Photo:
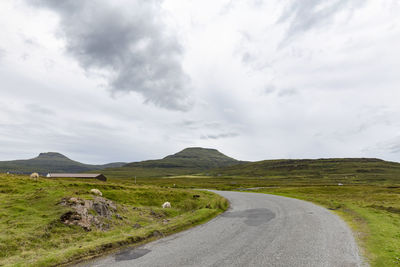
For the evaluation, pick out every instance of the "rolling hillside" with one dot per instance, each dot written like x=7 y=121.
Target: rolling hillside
x=50 y=162
x=188 y=161
x=354 y=170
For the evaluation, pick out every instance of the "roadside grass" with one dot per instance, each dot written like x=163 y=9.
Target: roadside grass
x=31 y=233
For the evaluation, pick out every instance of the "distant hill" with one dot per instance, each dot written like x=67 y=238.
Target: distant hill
x=51 y=162
x=344 y=169
x=188 y=161
x=193 y=158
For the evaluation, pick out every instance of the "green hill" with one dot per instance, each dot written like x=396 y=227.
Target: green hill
x=344 y=169
x=188 y=161
x=50 y=162
x=193 y=158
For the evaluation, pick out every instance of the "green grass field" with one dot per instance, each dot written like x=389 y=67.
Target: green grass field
x=31 y=233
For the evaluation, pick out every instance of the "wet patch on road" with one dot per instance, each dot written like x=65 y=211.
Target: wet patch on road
x=131 y=254
x=254 y=217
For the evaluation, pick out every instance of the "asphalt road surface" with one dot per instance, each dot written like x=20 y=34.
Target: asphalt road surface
x=258 y=230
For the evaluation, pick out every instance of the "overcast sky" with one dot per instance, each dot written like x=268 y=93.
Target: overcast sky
x=129 y=80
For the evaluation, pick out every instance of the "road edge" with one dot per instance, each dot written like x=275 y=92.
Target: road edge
x=151 y=238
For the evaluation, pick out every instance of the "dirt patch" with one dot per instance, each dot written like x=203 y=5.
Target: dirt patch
x=157 y=215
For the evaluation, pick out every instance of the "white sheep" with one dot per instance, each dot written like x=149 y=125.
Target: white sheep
x=35 y=176
x=166 y=205
x=96 y=192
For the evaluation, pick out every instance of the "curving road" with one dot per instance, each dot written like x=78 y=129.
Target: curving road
x=258 y=230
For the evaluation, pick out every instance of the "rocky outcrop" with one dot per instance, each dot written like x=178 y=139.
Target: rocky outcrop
x=88 y=213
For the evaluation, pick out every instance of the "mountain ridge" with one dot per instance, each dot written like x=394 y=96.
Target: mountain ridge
x=47 y=162
x=355 y=170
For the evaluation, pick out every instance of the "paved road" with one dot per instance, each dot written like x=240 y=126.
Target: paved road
x=258 y=230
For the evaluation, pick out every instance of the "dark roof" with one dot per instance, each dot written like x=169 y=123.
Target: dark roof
x=77 y=175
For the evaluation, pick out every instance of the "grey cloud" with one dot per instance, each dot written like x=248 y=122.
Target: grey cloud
x=287 y=92
x=35 y=108
x=25 y=56
x=197 y=125
x=226 y=8
x=128 y=43
x=392 y=146
x=219 y=136
x=269 y=89
x=213 y=124
x=395 y=148
x=303 y=15
x=248 y=58
x=257 y=3
x=31 y=41
x=188 y=123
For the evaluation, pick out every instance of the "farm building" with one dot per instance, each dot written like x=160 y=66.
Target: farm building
x=97 y=176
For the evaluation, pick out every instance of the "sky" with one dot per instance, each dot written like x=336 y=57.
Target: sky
x=128 y=80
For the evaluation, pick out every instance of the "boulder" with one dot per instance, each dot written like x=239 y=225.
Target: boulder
x=80 y=214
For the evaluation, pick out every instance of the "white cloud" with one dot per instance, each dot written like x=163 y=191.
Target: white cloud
x=330 y=91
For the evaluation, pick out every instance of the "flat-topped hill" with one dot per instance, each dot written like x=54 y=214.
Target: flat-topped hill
x=188 y=161
x=50 y=162
x=194 y=157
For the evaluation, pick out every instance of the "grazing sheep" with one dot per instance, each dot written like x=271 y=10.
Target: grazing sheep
x=35 y=176
x=339 y=184
x=166 y=205
x=96 y=192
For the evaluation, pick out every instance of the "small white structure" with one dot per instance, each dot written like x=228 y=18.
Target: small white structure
x=339 y=184
x=96 y=192
x=35 y=175
x=166 y=205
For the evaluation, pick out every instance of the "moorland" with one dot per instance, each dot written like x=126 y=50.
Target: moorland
x=365 y=192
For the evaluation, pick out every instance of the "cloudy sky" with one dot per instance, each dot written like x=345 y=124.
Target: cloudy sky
x=130 y=80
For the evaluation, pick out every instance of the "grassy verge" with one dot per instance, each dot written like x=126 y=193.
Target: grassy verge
x=31 y=233
x=373 y=212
